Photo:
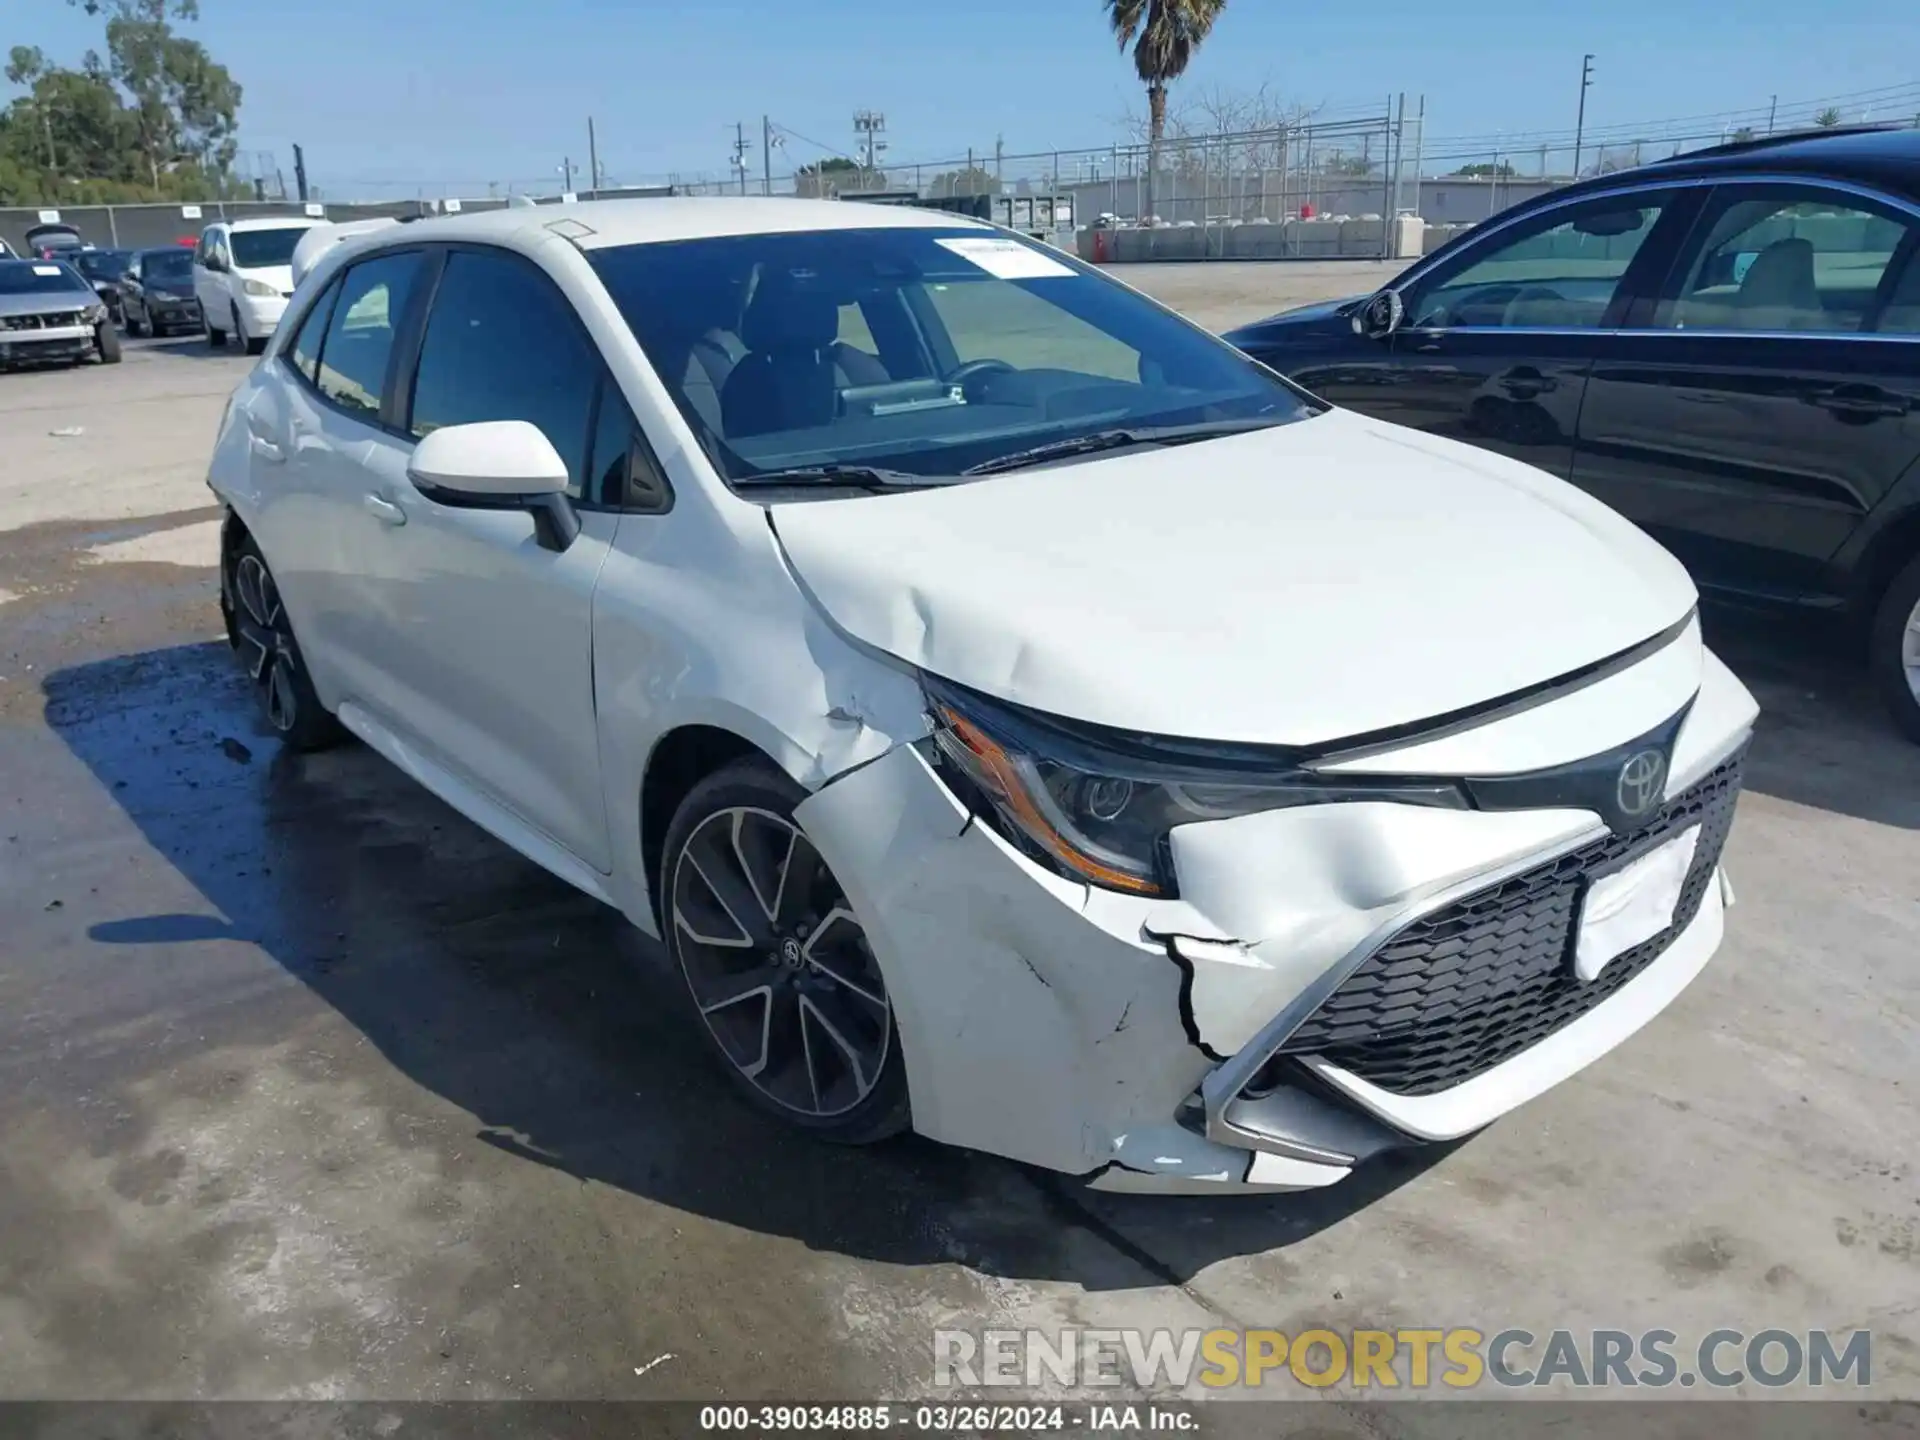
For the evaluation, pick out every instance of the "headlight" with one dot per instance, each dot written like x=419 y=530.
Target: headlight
x=1100 y=810
x=258 y=287
x=96 y=312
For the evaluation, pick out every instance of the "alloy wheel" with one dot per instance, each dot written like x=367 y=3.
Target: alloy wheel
x=266 y=644
x=1910 y=650
x=778 y=965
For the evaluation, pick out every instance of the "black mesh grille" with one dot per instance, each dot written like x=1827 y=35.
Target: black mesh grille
x=1477 y=982
x=42 y=322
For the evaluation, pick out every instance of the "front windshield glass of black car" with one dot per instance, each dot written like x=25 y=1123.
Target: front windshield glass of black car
x=257 y=249
x=175 y=264
x=920 y=350
x=38 y=277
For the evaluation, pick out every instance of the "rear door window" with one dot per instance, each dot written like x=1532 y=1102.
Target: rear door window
x=360 y=332
x=1785 y=258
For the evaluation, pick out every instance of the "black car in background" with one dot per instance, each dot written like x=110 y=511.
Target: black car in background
x=102 y=269
x=156 y=292
x=1724 y=347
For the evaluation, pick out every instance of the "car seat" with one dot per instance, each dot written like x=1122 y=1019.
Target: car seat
x=1778 y=291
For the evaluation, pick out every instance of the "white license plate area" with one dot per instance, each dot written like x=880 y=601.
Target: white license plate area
x=1633 y=904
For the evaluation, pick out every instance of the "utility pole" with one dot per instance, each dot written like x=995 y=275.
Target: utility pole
x=566 y=174
x=300 y=172
x=740 y=153
x=593 y=160
x=1773 y=108
x=766 y=156
x=1580 y=125
x=868 y=127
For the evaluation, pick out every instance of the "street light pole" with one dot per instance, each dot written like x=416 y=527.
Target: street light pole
x=1580 y=125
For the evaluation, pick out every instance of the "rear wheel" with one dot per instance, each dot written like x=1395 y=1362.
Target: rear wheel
x=262 y=636
x=1894 y=649
x=216 y=337
x=777 y=969
x=135 y=328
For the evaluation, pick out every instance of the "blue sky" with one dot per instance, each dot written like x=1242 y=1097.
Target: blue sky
x=451 y=94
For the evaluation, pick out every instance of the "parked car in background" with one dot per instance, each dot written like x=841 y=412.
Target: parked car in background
x=1724 y=347
x=49 y=313
x=1021 y=716
x=156 y=292
x=53 y=240
x=243 y=276
x=102 y=269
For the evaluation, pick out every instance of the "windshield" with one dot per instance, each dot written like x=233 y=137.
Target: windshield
x=921 y=351
x=102 y=264
x=254 y=249
x=38 y=277
x=166 y=265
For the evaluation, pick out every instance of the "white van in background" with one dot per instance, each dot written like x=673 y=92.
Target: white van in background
x=243 y=276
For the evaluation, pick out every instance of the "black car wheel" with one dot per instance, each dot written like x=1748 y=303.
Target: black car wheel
x=1894 y=649
x=216 y=337
x=136 y=327
x=776 y=967
x=262 y=636
x=106 y=341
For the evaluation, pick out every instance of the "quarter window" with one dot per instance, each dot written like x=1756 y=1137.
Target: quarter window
x=503 y=344
x=1559 y=271
x=1784 y=259
x=305 y=354
x=359 y=338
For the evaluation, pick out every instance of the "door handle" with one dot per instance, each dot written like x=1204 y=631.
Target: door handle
x=1865 y=401
x=1525 y=383
x=385 y=511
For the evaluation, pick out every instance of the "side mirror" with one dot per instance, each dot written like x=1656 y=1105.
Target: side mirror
x=498 y=465
x=1380 y=316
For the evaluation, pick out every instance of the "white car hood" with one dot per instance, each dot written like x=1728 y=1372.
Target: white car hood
x=1292 y=586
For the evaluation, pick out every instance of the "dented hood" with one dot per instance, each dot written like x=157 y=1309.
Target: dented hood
x=1292 y=586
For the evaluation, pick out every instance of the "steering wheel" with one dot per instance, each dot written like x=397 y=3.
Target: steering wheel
x=970 y=373
x=1534 y=294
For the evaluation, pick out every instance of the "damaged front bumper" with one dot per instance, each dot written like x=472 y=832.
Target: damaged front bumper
x=1145 y=1045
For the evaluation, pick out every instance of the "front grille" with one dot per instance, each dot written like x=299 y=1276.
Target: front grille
x=1477 y=982
x=56 y=321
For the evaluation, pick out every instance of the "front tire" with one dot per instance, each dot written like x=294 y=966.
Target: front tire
x=1893 y=653
x=262 y=636
x=776 y=968
x=106 y=340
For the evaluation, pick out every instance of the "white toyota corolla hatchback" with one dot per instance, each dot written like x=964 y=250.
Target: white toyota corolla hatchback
x=1022 y=718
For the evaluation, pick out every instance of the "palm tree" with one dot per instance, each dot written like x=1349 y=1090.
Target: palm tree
x=1164 y=35
x=1827 y=118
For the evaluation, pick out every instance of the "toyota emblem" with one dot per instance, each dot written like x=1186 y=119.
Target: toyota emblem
x=1642 y=782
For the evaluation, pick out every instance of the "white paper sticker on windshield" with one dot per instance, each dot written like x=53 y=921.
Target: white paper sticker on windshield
x=1005 y=259
x=46 y=270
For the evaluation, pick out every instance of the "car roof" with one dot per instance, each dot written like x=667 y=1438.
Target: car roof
x=1886 y=157
x=270 y=222
x=600 y=224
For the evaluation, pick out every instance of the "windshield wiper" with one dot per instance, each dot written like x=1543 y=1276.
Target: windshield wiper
x=860 y=477
x=1119 y=439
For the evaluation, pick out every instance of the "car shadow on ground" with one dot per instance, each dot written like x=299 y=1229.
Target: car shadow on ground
x=548 y=1018
x=1824 y=739
x=556 y=1025
x=186 y=345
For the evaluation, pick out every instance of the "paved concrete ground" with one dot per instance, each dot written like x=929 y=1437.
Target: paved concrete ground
x=310 y=1089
